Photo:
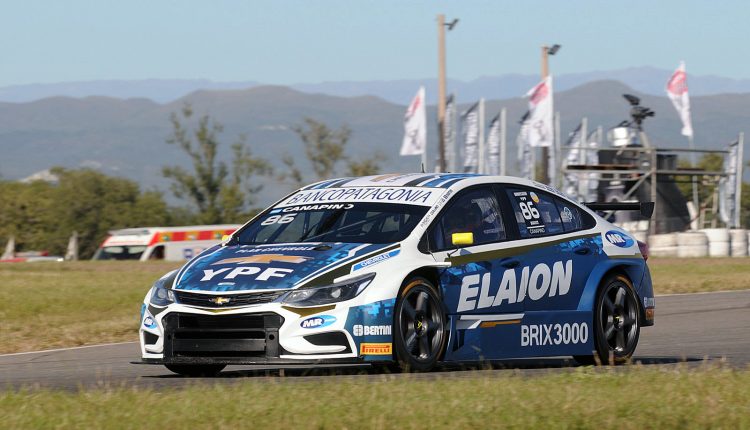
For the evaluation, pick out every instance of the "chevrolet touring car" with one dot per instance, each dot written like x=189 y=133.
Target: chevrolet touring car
x=409 y=270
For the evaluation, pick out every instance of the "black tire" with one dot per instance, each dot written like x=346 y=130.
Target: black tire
x=196 y=369
x=616 y=322
x=419 y=326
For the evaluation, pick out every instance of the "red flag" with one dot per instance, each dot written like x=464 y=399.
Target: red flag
x=677 y=90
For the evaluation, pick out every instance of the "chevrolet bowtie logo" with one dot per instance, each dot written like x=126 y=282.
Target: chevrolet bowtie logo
x=264 y=259
x=220 y=300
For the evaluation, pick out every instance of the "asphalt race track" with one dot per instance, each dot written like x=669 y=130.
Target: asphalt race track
x=691 y=328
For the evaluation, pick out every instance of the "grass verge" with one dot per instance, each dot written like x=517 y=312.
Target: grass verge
x=50 y=305
x=635 y=398
x=696 y=275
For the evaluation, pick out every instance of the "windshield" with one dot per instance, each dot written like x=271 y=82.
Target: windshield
x=334 y=222
x=120 y=252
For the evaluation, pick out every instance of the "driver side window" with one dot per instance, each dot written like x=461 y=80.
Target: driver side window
x=476 y=212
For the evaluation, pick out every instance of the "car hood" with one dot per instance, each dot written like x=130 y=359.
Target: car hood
x=271 y=267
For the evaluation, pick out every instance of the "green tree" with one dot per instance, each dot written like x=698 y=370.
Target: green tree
x=324 y=147
x=325 y=150
x=367 y=166
x=292 y=173
x=43 y=215
x=220 y=193
x=745 y=205
x=711 y=162
x=92 y=204
x=27 y=211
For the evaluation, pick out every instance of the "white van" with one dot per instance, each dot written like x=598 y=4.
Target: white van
x=161 y=243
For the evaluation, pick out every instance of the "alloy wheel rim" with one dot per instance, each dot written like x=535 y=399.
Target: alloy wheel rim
x=619 y=319
x=421 y=324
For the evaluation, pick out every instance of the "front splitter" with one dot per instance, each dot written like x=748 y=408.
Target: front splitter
x=250 y=361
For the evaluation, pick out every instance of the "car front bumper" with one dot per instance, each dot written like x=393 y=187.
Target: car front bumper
x=266 y=334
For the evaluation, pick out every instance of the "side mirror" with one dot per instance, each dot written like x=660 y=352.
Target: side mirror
x=462 y=239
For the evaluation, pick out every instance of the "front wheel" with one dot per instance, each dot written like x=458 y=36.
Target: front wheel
x=419 y=333
x=196 y=369
x=616 y=324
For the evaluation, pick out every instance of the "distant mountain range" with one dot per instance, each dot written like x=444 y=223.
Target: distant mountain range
x=127 y=137
x=647 y=80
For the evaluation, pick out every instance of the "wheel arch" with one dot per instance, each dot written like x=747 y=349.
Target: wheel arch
x=429 y=273
x=633 y=269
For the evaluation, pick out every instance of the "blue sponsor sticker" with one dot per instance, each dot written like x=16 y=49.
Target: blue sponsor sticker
x=619 y=239
x=318 y=321
x=149 y=322
x=375 y=260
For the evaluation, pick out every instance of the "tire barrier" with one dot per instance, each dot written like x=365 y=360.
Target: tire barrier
x=663 y=251
x=738 y=240
x=692 y=244
x=663 y=245
x=718 y=241
x=640 y=236
x=662 y=240
x=692 y=238
x=709 y=242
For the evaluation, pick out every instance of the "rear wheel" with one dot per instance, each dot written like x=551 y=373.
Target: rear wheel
x=616 y=324
x=419 y=333
x=196 y=369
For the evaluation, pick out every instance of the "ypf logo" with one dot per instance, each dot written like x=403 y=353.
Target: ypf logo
x=619 y=239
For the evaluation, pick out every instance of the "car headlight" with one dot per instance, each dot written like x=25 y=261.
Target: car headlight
x=161 y=295
x=329 y=294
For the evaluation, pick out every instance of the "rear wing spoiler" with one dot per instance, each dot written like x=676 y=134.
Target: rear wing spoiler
x=646 y=208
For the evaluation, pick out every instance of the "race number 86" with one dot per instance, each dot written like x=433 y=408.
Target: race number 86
x=528 y=210
x=278 y=219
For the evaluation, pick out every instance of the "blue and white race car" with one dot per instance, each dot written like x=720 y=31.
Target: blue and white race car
x=411 y=269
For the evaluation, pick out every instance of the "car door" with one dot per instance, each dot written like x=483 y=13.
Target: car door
x=551 y=248
x=556 y=256
x=468 y=284
x=478 y=294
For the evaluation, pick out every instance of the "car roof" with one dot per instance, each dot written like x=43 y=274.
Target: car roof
x=427 y=180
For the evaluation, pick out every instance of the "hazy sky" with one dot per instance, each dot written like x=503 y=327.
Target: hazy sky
x=287 y=42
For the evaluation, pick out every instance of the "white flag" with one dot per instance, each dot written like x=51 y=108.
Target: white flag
x=677 y=90
x=415 y=126
x=571 y=180
x=493 y=147
x=541 y=130
x=449 y=133
x=10 y=249
x=728 y=187
x=591 y=181
x=525 y=154
x=470 y=128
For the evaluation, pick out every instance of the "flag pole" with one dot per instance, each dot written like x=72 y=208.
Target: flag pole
x=543 y=175
x=452 y=137
x=693 y=178
x=546 y=52
x=441 y=91
x=555 y=161
x=481 y=167
x=503 y=113
x=738 y=179
x=583 y=142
